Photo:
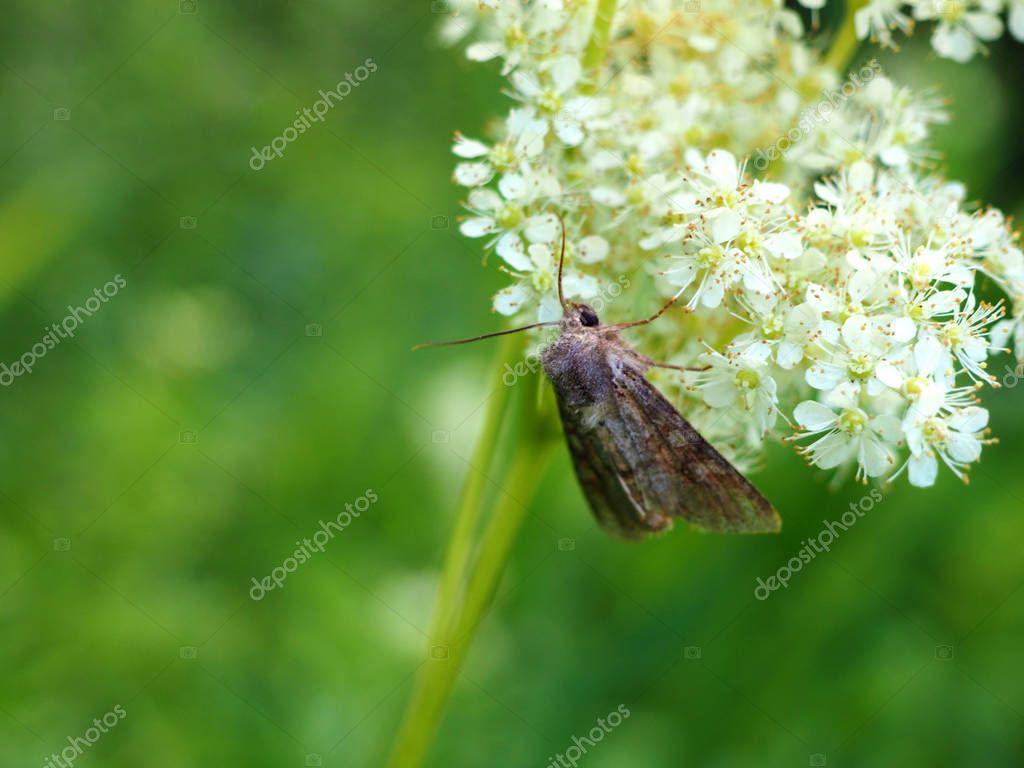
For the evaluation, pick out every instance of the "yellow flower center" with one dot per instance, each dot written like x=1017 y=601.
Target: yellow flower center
x=709 y=256
x=773 y=327
x=861 y=366
x=953 y=10
x=510 y=216
x=549 y=101
x=515 y=36
x=852 y=421
x=934 y=431
x=747 y=380
x=502 y=157
x=915 y=386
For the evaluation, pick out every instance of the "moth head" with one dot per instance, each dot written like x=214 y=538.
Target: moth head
x=583 y=314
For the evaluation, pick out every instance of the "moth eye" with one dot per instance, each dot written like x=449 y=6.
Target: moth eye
x=588 y=317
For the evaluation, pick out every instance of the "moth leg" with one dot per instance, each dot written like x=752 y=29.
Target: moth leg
x=656 y=364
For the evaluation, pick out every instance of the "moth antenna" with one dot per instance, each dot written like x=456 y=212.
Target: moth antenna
x=561 y=263
x=653 y=317
x=482 y=336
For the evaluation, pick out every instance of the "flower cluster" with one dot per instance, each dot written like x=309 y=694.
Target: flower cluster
x=961 y=27
x=846 y=296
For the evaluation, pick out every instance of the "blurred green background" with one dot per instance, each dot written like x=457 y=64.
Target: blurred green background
x=196 y=427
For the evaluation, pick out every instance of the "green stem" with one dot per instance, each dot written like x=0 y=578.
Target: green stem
x=465 y=594
x=467 y=511
x=599 y=34
x=845 y=43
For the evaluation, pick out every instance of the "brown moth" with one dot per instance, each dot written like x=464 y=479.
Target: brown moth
x=638 y=461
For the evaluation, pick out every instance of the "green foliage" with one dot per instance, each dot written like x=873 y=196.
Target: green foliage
x=127 y=550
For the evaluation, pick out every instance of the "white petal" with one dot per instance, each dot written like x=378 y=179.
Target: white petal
x=786 y=245
x=1016 y=20
x=592 y=249
x=469 y=148
x=580 y=286
x=477 y=227
x=965 y=448
x=510 y=248
x=813 y=416
x=484 y=51
x=722 y=169
x=541 y=257
x=513 y=186
x=508 y=301
x=831 y=451
x=954 y=42
x=874 y=457
x=719 y=393
x=482 y=199
x=549 y=309
x=984 y=25
x=889 y=374
x=565 y=71
x=473 y=174
x=725 y=225
x=970 y=419
x=542 y=228
x=789 y=354
x=825 y=376
x=770 y=192
x=922 y=470
x=569 y=131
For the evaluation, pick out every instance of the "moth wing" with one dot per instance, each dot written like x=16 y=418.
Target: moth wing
x=679 y=472
x=605 y=472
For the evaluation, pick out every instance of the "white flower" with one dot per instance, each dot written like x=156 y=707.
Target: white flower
x=960 y=30
x=506 y=223
x=549 y=89
x=848 y=268
x=865 y=357
x=525 y=140
x=741 y=380
x=848 y=434
x=538 y=282
x=956 y=440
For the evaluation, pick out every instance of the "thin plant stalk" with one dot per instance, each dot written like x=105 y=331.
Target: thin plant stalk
x=468 y=584
x=845 y=43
